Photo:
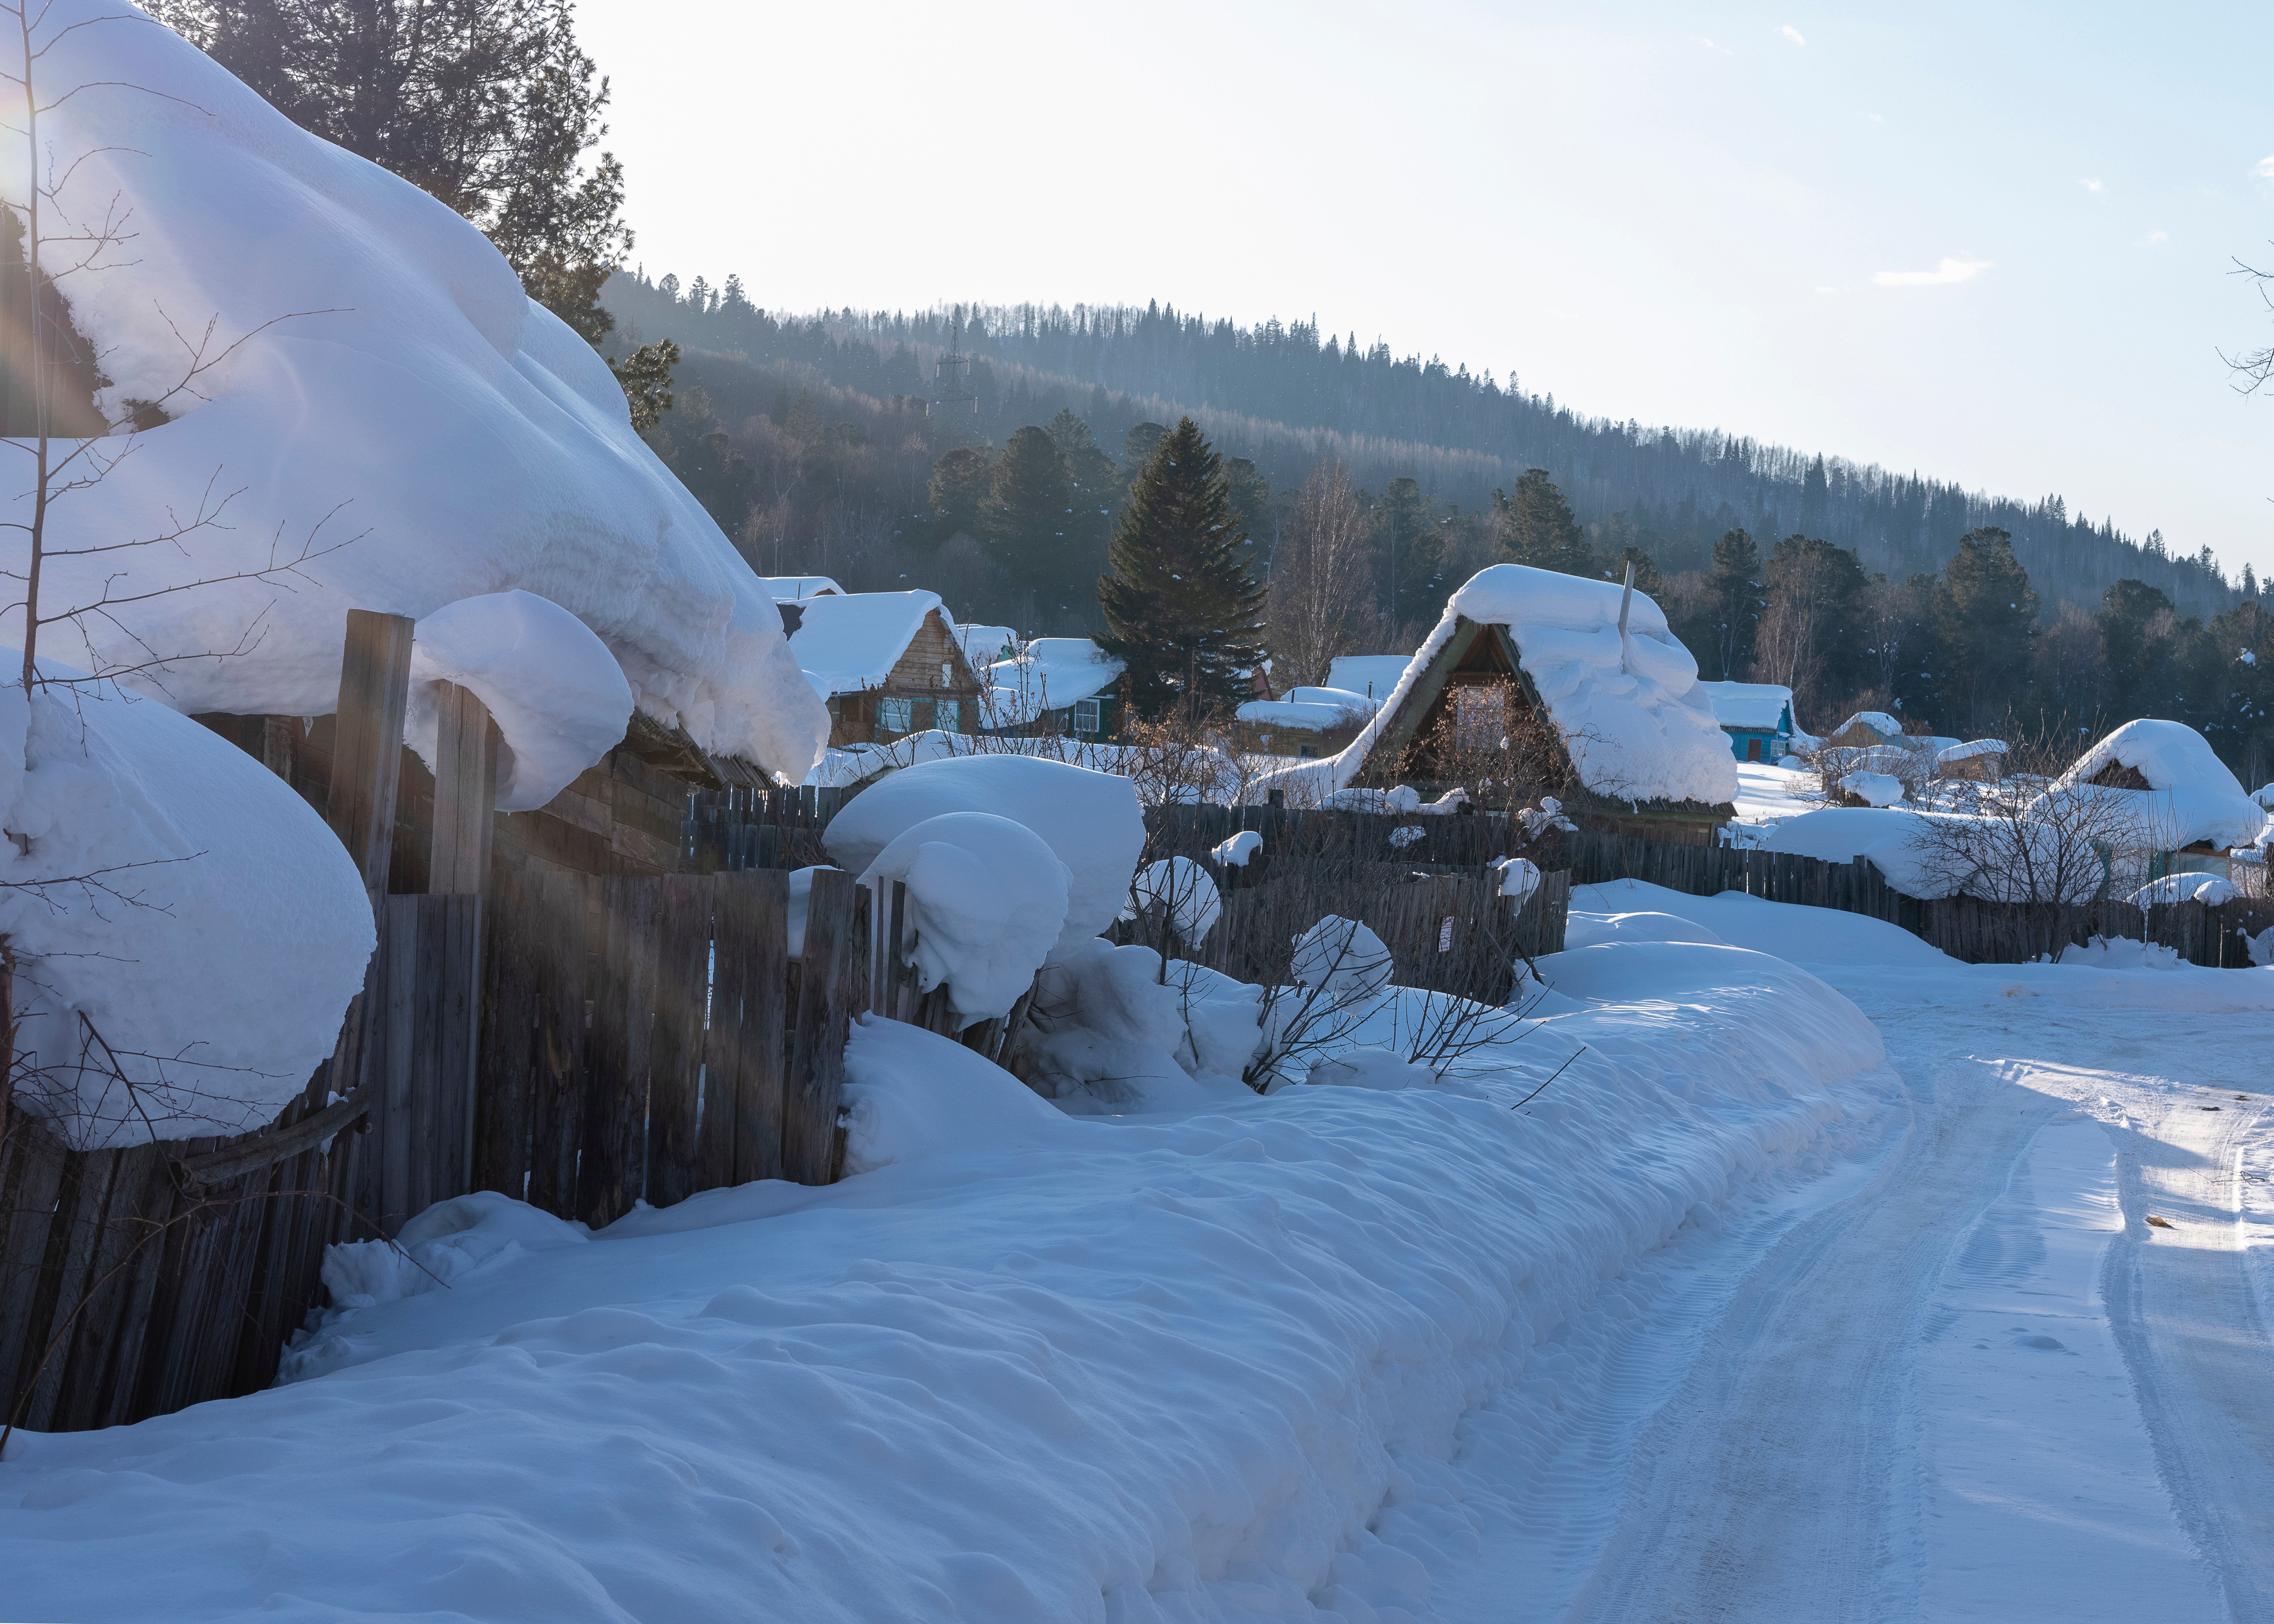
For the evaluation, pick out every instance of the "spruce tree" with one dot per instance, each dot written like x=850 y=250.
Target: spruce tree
x=1181 y=608
x=1536 y=527
x=1026 y=511
x=1987 y=615
x=959 y=483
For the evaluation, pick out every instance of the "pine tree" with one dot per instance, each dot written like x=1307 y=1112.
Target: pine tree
x=1181 y=608
x=1987 y=615
x=1537 y=528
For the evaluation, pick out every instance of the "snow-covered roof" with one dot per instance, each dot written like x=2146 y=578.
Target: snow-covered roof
x=1630 y=710
x=1051 y=675
x=1875 y=721
x=1360 y=673
x=1968 y=751
x=788 y=589
x=850 y=641
x=1763 y=707
x=461 y=438
x=983 y=645
x=2195 y=797
x=1313 y=709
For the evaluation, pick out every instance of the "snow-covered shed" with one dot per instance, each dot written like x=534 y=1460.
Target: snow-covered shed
x=1982 y=761
x=983 y=645
x=406 y=430
x=886 y=663
x=1059 y=686
x=1756 y=716
x=1303 y=722
x=2185 y=801
x=1632 y=737
x=1864 y=729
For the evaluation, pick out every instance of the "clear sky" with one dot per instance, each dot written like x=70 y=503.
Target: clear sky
x=1989 y=242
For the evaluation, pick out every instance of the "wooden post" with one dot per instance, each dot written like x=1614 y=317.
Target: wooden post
x=368 y=747
x=465 y=792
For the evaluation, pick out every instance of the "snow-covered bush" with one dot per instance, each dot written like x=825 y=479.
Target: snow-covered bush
x=186 y=931
x=1180 y=893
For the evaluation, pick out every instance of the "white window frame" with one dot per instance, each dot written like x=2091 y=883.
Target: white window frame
x=1087 y=722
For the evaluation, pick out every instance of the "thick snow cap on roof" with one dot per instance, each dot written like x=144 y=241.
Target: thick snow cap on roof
x=789 y=589
x=391 y=388
x=1968 y=751
x=1362 y=673
x=1315 y=709
x=225 y=929
x=1763 y=706
x=1051 y=675
x=1630 y=713
x=1875 y=721
x=851 y=640
x=2193 y=796
x=1091 y=820
x=983 y=645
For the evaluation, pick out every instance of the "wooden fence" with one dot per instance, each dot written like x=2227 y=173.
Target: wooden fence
x=1966 y=928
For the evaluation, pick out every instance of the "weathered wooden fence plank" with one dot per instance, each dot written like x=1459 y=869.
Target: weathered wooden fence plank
x=817 y=1077
x=749 y=1028
x=682 y=998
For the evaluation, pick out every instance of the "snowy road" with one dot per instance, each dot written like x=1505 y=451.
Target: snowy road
x=1966 y=1380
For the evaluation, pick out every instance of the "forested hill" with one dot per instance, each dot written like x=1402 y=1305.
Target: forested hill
x=1286 y=395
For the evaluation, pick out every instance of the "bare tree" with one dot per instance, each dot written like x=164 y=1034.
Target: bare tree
x=2047 y=849
x=1321 y=587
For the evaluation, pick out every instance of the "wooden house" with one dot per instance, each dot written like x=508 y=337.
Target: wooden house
x=1756 y=716
x=1562 y=686
x=1064 y=687
x=1304 y=722
x=886 y=663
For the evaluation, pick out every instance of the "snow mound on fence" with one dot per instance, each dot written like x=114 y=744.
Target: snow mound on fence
x=986 y=900
x=558 y=696
x=2195 y=797
x=212 y=948
x=1206 y=1367
x=1630 y=712
x=461 y=438
x=1091 y=820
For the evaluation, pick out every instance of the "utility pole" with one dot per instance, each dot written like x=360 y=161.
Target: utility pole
x=951 y=373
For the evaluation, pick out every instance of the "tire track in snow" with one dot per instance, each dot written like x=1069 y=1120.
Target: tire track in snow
x=2181 y=1304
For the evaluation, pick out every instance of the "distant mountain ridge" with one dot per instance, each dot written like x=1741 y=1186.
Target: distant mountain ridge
x=1286 y=396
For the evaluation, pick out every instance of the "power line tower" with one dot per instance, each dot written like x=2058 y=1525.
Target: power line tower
x=951 y=373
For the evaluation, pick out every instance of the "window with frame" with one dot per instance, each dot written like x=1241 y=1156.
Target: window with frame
x=896 y=716
x=1086 y=718
x=947 y=714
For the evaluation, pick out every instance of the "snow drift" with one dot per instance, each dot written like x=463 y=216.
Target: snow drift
x=1205 y=1366
x=213 y=950
x=465 y=439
